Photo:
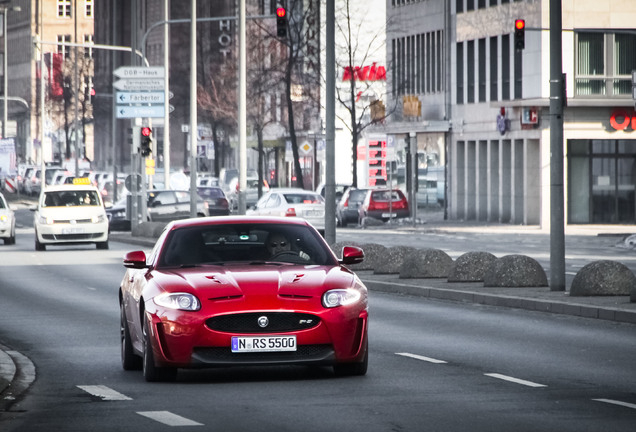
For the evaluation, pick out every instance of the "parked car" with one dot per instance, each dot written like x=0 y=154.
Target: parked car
x=251 y=193
x=292 y=202
x=215 y=293
x=384 y=204
x=161 y=206
x=7 y=222
x=348 y=207
x=70 y=214
x=340 y=190
x=218 y=204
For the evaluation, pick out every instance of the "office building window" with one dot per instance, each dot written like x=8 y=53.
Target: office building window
x=505 y=67
x=417 y=63
x=460 y=73
x=481 y=55
x=604 y=64
x=88 y=8
x=64 y=9
x=88 y=51
x=64 y=49
x=470 y=71
x=494 y=77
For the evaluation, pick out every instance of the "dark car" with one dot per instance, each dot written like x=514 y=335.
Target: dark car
x=384 y=204
x=242 y=291
x=348 y=206
x=218 y=204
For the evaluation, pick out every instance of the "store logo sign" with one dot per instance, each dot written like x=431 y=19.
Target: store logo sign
x=622 y=119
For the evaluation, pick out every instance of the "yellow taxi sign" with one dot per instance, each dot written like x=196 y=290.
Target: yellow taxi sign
x=81 y=181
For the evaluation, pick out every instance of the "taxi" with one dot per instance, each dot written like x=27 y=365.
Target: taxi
x=70 y=214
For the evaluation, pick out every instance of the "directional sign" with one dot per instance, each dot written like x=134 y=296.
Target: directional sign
x=140 y=72
x=140 y=97
x=139 y=84
x=123 y=111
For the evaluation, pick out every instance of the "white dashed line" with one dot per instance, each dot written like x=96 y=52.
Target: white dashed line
x=104 y=392
x=168 y=418
x=419 y=357
x=514 y=380
x=615 y=402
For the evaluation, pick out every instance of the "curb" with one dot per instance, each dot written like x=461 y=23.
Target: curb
x=517 y=302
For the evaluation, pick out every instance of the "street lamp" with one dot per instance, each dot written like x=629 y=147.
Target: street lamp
x=5 y=75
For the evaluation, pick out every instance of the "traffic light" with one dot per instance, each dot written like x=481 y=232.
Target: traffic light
x=281 y=22
x=146 y=141
x=520 y=34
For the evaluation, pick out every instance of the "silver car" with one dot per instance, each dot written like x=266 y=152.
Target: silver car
x=292 y=202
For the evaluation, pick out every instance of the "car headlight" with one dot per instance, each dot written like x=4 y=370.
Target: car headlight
x=4 y=218
x=45 y=220
x=98 y=219
x=340 y=297
x=180 y=301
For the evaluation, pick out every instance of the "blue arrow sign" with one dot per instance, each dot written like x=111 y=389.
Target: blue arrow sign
x=140 y=111
x=140 y=97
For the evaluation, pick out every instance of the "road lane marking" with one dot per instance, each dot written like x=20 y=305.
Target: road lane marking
x=419 y=357
x=104 y=392
x=168 y=418
x=615 y=402
x=514 y=380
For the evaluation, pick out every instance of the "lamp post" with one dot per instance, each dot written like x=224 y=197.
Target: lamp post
x=5 y=75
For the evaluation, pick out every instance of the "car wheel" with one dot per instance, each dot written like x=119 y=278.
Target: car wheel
x=39 y=246
x=353 y=369
x=102 y=245
x=129 y=360
x=153 y=373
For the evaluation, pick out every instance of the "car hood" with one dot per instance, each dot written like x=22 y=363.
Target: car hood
x=261 y=283
x=71 y=213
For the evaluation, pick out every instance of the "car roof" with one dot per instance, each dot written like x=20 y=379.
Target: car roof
x=70 y=187
x=237 y=219
x=293 y=190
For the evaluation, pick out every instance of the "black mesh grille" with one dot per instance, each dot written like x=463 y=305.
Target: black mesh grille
x=224 y=356
x=249 y=322
x=69 y=237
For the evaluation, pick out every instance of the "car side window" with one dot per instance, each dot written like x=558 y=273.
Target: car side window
x=182 y=196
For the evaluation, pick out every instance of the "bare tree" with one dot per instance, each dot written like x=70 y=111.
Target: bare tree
x=359 y=96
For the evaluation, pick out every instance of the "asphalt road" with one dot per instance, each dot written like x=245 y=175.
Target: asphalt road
x=434 y=366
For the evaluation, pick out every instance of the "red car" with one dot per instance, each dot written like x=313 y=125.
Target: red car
x=239 y=290
x=384 y=204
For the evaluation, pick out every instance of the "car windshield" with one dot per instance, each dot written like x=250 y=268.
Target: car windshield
x=261 y=243
x=303 y=198
x=211 y=192
x=70 y=198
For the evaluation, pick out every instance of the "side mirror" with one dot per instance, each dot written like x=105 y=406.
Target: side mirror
x=352 y=255
x=135 y=260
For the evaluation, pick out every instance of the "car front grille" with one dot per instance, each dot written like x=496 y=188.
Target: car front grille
x=224 y=356
x=249 y=322
x=71 y=237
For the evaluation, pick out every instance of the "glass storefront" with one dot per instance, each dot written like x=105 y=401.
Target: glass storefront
x=601 y=181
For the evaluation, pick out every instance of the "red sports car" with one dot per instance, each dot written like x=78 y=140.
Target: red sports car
x=239 y=290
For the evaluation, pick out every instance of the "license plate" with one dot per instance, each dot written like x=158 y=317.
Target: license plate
x=389 y=214
x=242 y=344
x=73 y=231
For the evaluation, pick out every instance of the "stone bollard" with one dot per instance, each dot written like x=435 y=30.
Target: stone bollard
x=604 y=278
x=471 y=267
x=515 y=271
x=426 y=263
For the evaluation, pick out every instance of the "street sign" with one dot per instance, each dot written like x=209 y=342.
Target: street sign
x=140 y=72
x=139 y=84
x=140 y=97
x=124 y=111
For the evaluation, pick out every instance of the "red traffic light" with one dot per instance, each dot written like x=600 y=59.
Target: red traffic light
x=520 y=24
x=281 y=12
x=146 y=131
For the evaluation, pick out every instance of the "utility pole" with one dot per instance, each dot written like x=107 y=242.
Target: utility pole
x=557 y=94
x=330 y=124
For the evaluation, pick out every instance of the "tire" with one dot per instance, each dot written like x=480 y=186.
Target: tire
x=353 y=369
x=102 y=245
x=39 y=246
x=129 y=360
x=153 y=373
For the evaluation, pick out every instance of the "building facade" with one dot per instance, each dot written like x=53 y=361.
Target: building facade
x=495 y=101
x=46 y=133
